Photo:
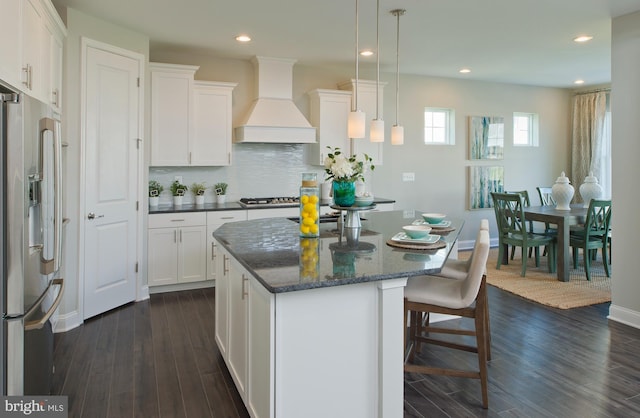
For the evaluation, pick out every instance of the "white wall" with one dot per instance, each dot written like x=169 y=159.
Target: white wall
x=625 y=105
x=79 y=25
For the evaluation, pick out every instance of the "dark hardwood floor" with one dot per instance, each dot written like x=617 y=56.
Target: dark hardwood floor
x=158 y=358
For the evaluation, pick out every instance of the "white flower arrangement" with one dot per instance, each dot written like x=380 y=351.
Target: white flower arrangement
x=341 y=168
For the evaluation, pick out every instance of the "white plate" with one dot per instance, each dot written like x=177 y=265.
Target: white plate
x=443 y=224
x=403 y=237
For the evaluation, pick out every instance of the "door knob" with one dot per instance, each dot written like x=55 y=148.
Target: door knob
x=92 y=216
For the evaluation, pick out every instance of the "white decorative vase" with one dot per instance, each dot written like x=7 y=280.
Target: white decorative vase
x=199 y=200
x=590 y=189
x=177 y=200
x=562 y=192
x=153 y=201
x=221 y=198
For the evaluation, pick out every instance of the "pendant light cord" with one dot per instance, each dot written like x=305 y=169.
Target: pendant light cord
x=355 y=93
x=377 y=57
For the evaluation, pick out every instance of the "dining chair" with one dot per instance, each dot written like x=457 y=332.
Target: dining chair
x=512 y=230
x=593 y=235
x=466 y=298
x=546 y=198
x=527 y=202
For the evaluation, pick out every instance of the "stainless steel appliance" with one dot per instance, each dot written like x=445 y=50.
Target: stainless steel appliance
x=31 y=231
x=268 y=202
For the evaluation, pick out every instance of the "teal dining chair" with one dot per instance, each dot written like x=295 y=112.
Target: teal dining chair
x=592 y=236
x=512 y=230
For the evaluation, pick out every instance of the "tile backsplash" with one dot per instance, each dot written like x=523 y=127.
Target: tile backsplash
x=257 y=170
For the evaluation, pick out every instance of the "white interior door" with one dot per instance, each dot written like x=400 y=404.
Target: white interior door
x=111 y=131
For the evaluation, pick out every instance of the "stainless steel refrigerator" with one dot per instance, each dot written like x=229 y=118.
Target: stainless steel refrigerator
x=31 y=241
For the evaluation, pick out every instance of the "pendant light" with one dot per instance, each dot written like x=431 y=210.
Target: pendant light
x=377 y=124
x=397 y=131
x=356 y=120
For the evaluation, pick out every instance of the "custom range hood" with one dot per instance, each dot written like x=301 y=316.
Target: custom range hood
x=273 y=117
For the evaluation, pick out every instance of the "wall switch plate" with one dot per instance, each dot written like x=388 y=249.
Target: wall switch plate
x=408 y=176
x=178 y=179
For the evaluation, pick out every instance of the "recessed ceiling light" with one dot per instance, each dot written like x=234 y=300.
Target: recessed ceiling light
x=583 y=38
x=366 y=52
x=578 y=82
x=243 y=38
x=465 y=71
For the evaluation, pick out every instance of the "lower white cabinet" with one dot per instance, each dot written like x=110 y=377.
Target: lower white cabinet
x=215 y=219
x=176 y=248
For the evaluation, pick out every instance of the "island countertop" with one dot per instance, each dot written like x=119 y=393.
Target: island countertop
x=274 y=253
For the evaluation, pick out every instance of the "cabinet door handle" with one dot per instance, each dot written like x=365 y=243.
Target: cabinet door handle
x=181 y=235
x=213 y=250
x=189 y=157
x=244 y=291
x=225 y=264
x=175 y=236
x=54 y=98
x=177 y=220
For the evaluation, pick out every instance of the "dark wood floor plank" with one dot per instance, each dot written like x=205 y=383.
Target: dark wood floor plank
x=96 y=401
x=546 y=363
x=145 y=396
x=168 y=385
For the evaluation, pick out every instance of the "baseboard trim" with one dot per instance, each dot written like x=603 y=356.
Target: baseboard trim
x=68 y=321
x=624 y=316
x=181 y=286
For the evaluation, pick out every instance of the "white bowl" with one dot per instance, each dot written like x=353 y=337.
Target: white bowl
x=433 y=218
x=363 y=200
x=417 y=231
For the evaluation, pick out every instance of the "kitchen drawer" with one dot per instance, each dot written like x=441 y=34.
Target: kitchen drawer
x=177 y=220
x=224 y=216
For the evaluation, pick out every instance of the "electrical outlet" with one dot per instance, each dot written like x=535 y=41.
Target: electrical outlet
x=178 y=179
x=408 y=213
x=408 y=176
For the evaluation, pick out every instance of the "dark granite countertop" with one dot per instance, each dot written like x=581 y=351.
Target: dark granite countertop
x=273 y=252
x=208 y=207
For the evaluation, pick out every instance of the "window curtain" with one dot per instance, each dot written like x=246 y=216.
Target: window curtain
x=591 y=140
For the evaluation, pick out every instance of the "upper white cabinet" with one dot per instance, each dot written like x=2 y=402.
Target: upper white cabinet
x=367 y=104
x=171 y=101
x=190 y=120
x=329 y=111
x=10 y=50
x=42 y=37
x=212 y=118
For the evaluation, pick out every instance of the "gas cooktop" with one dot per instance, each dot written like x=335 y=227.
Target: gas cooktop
x=269 y=201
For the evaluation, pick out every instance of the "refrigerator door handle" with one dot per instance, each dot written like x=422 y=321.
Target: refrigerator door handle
x=48 y=124
x=37 y=324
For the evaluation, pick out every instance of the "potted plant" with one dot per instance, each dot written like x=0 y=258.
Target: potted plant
x=198 y=190
x=221 y=191
x=178 y=190
x=155 y=188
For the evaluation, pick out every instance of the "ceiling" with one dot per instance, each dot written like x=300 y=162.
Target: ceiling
x=522 y=42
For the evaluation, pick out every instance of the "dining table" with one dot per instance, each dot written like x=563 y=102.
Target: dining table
x=563 y=219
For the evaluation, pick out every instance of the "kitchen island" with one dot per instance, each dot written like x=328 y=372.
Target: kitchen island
x=314 y=327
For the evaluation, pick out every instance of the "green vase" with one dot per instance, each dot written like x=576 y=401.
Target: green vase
x=344 y=193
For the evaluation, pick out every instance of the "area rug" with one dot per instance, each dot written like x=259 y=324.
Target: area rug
x=542 y=287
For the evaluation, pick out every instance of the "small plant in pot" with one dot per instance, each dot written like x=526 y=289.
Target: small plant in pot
x=198 y=190
x=155 y=188
x=220 y=190
x=178 y=190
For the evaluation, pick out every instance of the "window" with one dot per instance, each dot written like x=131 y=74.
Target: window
x=525 y=129
x=439 y=126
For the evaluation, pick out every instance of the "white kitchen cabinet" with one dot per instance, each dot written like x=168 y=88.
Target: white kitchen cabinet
x=171 y=124
x=190 y=120
x=238 y=301
x=215 y=219
x=222 y=301
x=42 y=34
x=176 y=248
x=210 y=142
x=329 y=113
x=367 y=104
x=10 y=46
x=286 y=212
